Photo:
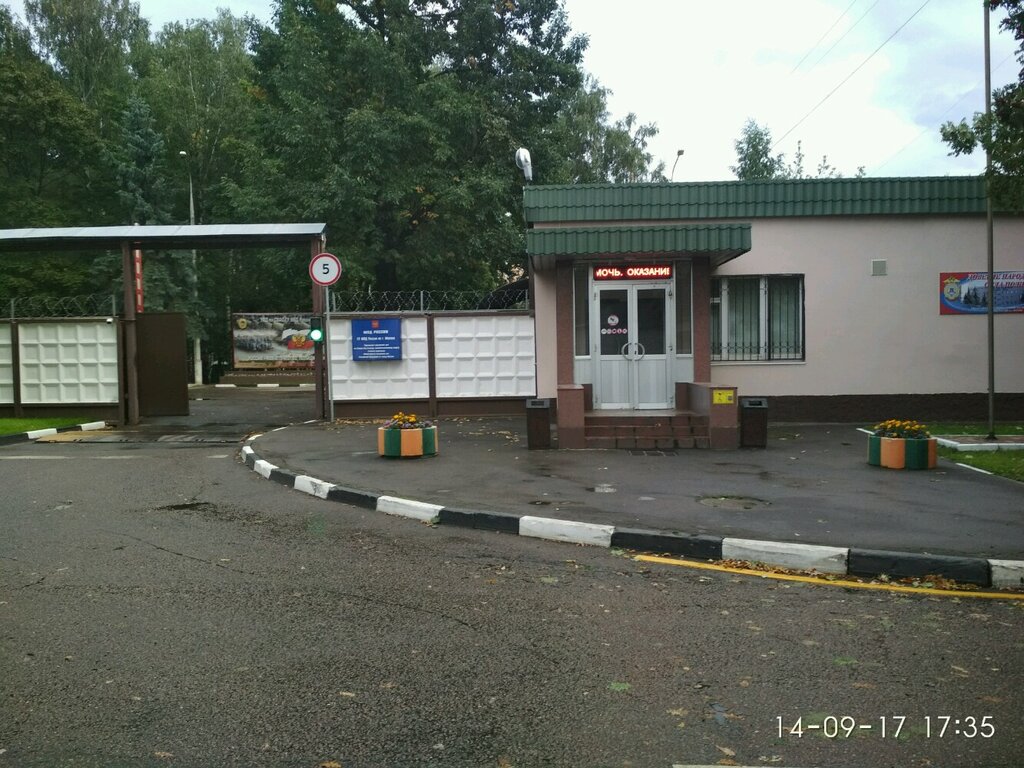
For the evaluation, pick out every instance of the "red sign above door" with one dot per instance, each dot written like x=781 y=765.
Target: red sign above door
x=634 y=272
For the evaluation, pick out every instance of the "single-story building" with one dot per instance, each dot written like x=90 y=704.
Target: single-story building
x=833 y=299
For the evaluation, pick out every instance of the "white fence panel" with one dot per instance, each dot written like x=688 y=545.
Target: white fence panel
x=74 y=362
x=485 y=356
x=6 y=365
x=405 y=379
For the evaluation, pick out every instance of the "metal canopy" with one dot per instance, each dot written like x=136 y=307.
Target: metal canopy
x=719 y=242
x=168 y=237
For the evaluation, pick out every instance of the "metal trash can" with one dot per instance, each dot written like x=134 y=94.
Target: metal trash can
x=753 y=422
x=538 y=423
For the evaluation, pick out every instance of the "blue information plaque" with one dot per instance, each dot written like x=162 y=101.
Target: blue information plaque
x=377 y=339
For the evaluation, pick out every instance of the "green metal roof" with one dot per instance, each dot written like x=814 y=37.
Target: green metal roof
x=755 y=199
x=719 y=241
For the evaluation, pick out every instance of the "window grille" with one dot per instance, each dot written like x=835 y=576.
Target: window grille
x=757 y=318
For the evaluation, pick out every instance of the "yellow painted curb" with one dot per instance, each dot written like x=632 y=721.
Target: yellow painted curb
x=827 y=583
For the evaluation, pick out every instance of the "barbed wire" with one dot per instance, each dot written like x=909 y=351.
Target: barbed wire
x=430 y=301
x=91 y=305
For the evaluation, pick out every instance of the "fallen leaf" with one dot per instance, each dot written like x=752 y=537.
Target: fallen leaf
x=504 y=762
x=960 y=670
x=163 y=755
x=347 y=694
x=619 y=686
x=549 y=579
x=329 y=764
x=678 y=712
x=726 y=751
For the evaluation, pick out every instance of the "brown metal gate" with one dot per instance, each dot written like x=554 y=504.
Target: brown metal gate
x=162 y=356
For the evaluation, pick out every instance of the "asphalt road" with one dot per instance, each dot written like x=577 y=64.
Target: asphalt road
x=162 y=605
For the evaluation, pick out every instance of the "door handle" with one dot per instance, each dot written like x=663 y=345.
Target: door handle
x=641 y=349
x=623 y=350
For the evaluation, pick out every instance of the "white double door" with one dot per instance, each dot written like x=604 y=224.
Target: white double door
x=633 y=350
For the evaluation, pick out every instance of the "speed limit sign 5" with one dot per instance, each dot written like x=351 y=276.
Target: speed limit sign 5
x=325 y=269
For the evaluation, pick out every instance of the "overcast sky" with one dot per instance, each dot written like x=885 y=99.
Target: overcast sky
x=699 y=69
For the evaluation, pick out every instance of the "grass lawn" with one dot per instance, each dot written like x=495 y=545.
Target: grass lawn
x=975 y=428
x=14 y=426
x=1006 y=463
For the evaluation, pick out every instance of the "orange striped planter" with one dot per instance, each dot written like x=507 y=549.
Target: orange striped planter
x=900 y=453
x=407 y=443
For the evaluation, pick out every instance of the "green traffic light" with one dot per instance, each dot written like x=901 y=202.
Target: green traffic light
x=316 y=330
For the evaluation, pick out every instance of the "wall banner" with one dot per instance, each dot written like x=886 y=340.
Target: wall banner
x=271 y=340
x=377 y=339
x=966 y=293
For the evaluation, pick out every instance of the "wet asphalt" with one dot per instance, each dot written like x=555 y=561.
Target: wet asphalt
x=162 y=605
x=811 y=485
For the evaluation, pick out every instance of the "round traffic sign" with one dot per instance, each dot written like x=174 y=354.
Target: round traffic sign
x=325 y=269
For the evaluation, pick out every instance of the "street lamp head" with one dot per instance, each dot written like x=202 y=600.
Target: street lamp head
x=183 y=153
x=679 y=153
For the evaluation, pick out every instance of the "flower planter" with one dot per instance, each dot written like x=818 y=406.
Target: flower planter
x=902 y=453
x=407 y=443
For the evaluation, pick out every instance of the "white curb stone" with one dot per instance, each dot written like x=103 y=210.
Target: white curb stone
x=267 y=386
x=1007 y=573
x=247 y=449
x=804 y=557
x=40 y=433
x=312 y=486
x=566 y=530
x=417 y=510
x=264 y=467
x=93 y=425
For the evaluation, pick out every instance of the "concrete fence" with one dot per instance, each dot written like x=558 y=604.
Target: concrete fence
x=451 y=363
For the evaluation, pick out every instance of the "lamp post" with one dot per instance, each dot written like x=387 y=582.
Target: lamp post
x=679 y=154
x=197 y=347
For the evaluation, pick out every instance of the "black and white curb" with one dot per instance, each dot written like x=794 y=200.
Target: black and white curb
x=24 y=437
x=304 y=385
x=842 y=561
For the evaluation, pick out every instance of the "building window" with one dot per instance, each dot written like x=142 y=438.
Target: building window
x=581 y=310
x=757 y=318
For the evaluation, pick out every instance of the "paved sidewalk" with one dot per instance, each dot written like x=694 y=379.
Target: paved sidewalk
x=812 y=485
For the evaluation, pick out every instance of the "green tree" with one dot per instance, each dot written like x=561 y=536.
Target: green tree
x=49 y=149
x=199 y=84
x=94 y=44
x=594 y=151
x=1002 y=133
x=754 y=159
x=396 y=124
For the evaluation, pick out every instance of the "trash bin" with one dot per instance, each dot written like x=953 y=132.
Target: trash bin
x=753 y=422
x=538 y=423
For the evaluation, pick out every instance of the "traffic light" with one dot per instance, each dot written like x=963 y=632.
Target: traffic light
x=316 y=329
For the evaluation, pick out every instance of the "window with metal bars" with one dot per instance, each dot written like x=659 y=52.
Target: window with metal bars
x=757 y=318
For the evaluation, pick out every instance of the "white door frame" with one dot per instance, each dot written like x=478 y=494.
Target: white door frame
x=632 y=377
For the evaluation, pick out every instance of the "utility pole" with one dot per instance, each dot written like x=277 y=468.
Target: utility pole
x=989 y=244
